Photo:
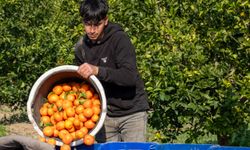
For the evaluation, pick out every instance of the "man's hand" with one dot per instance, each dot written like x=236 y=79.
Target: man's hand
x=86 y=70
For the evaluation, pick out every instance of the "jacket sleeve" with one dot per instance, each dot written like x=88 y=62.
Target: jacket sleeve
x=11 y=142
x=79 y=53
x=125 y=73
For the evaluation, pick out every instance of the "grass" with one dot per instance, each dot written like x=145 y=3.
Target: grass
x=240 y=138
x=3 y=131
x=206 y=139
x=9 y=115
x=156 y=136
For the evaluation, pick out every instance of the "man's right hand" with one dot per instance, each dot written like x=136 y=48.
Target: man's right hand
x=86 y=70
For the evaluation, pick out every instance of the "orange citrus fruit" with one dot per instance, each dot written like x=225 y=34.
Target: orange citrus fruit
x=42 y=139
x=45 y=119
x=95 y=118
x=87 y=103
x=51 y=141
x=66 y=87
x=57 y=89
x=89 y=124
x=52 y=98
x=82 y=118
x=96 y=110
x=79 y=109
x=88 y=140
x=68 y=124
x=79 y=134
x=70 y=111
x=88 y=112
x=89 y=94
x=43 y=111
x=60 y=125
x=85 y=130
x=67 y=139
x=65 y=147
x=48 y=131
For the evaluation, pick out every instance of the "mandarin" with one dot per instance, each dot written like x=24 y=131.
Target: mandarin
x=85 y=86
x=51 y=141
x=50 y=111
x=56 y=133
x=96 y=110
x=60 y=125
x=57 y=89
x=52 y=98
x=89 y=94
x=88 y=103
x=71 y=97
x=62 y=96
x=66 y=87
x=88 y=112
x=82 y=118
x=77 y=123
x=42 y=139
x=65 y=147
x=48 y=131
x=89 y=124
x=73 y=135
x=45 y=119
x=67 y=138
x=62 y=133
x=95 y=118
x=79 y=134
x=43 y=111
x=68 y=124
x=85 y=130
x=96 y=102
x=70 y=111
x=67 y=104
x=79 y=109
x=88 y=140
x=58 y=116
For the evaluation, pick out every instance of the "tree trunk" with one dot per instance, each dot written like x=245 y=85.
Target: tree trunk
x=223 y=139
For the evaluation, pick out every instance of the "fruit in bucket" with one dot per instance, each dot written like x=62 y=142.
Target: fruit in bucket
x=70 y=111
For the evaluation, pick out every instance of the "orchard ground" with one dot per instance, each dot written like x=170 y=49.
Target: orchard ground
x=15 y=121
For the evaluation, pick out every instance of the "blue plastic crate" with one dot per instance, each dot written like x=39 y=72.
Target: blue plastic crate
x=229 y=148
x=183 y=146
x=84 y=147
x=117 y=146
x=129 y=146
x=153 y=146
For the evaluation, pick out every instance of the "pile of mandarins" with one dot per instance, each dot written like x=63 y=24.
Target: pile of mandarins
x=69 y=113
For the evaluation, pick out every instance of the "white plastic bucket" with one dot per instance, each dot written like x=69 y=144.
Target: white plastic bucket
x=43 y=86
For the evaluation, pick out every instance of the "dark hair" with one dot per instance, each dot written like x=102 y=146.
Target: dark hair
x=93 y=10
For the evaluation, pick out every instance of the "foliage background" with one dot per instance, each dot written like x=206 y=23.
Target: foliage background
x=194 y=57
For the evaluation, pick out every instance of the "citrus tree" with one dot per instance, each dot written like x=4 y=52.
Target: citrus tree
x=35 y=36
x=194 y=59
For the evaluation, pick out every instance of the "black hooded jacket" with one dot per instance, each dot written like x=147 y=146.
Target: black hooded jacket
x=115 y=56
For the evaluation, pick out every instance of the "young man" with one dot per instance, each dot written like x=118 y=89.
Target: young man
x=107 y=52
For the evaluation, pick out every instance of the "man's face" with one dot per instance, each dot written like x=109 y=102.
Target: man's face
x=95 y=31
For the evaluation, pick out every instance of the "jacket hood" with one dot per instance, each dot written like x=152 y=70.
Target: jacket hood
x=109 y=30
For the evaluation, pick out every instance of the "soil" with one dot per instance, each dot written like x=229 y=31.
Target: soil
x=16 y=122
